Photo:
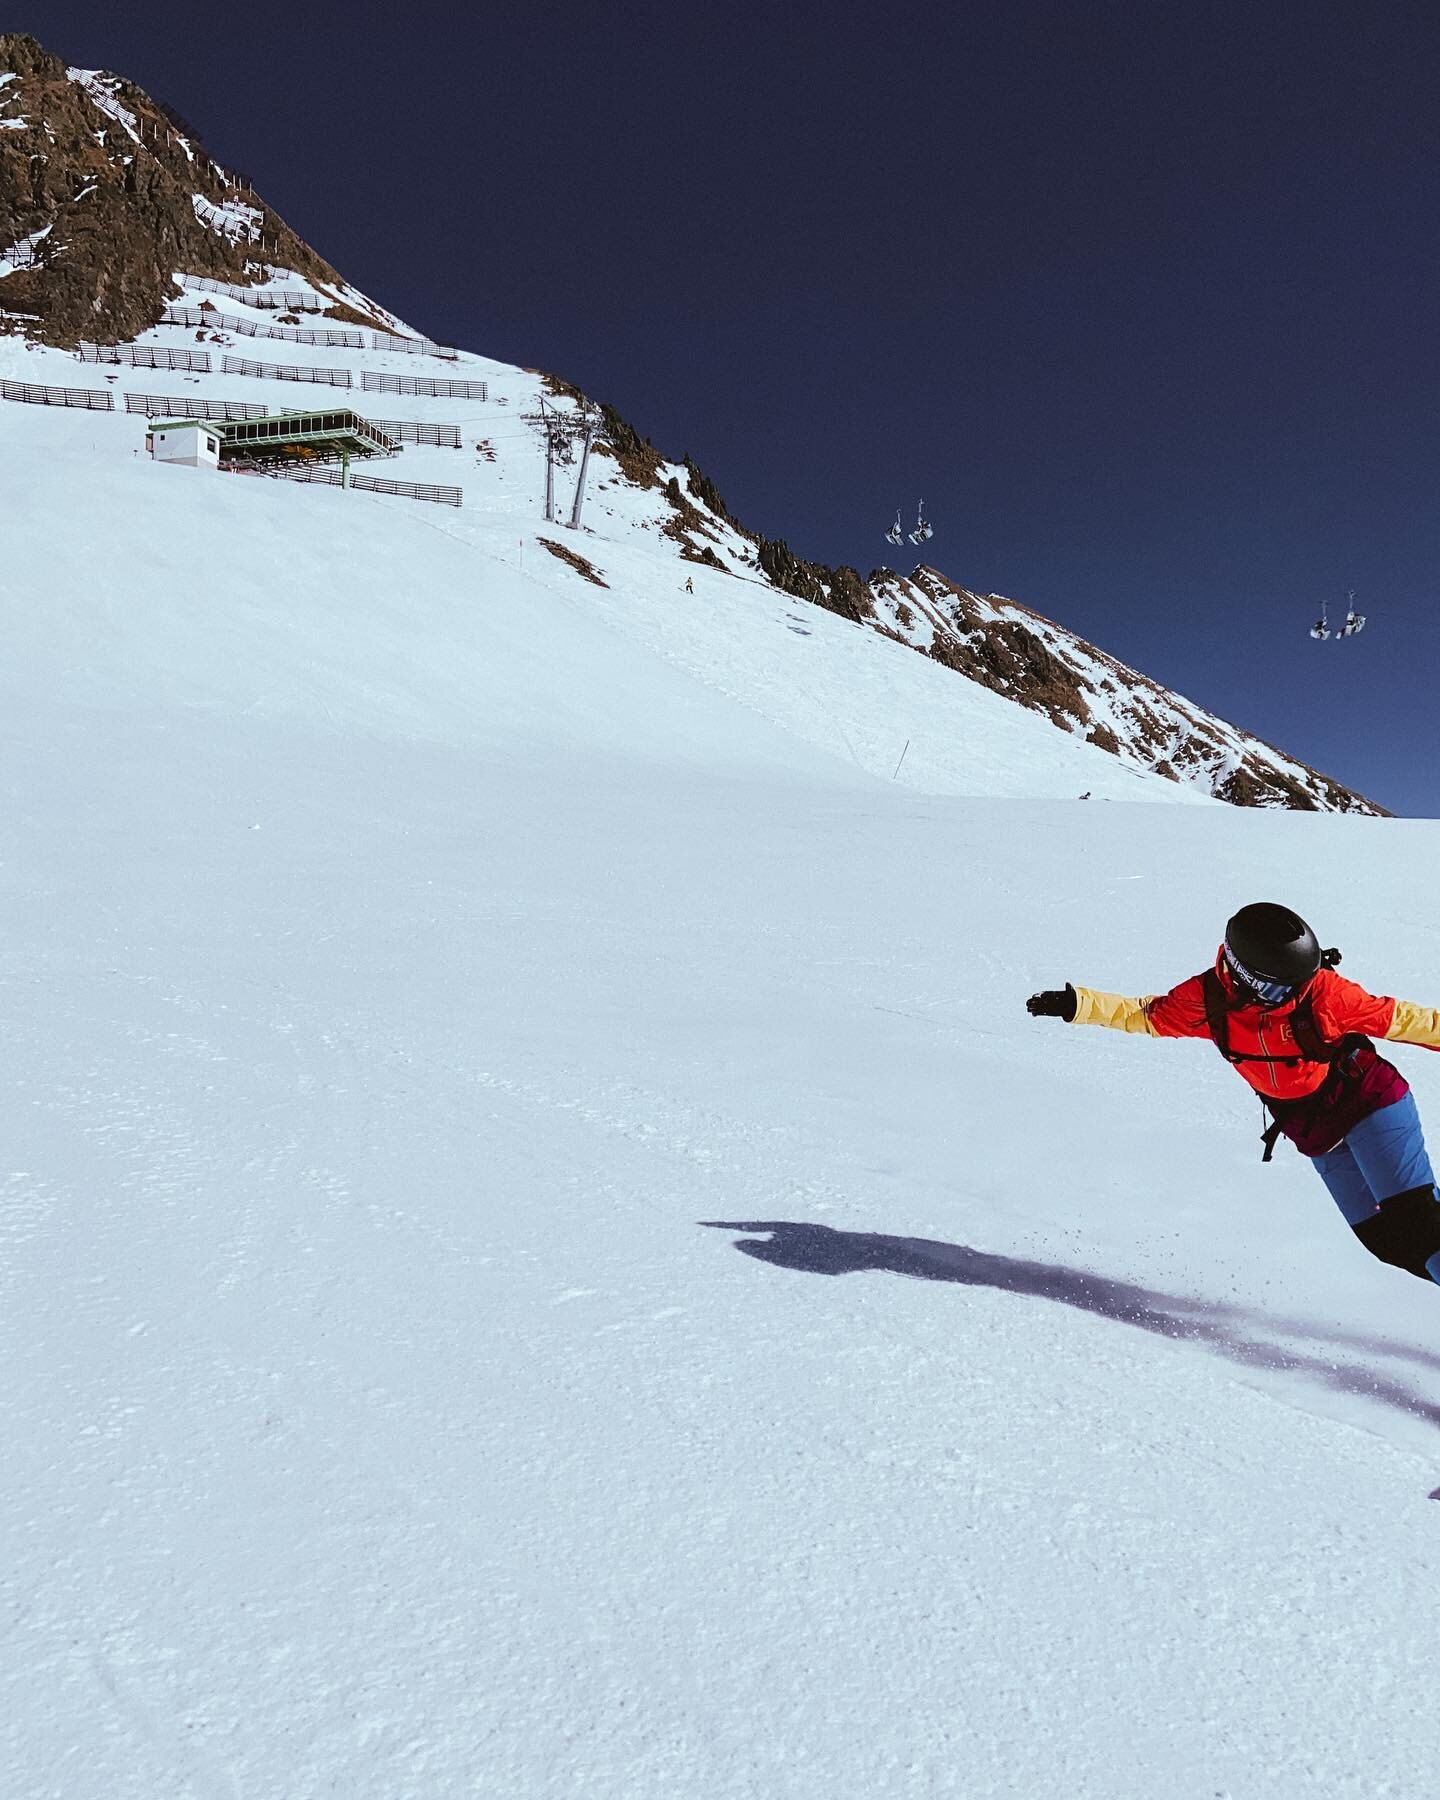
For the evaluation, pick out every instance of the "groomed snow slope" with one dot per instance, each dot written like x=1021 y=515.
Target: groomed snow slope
x=417 y=988
x=490 y=446
x=452 y=591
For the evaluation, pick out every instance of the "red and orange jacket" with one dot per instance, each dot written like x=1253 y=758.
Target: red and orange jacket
x=1339 y=1008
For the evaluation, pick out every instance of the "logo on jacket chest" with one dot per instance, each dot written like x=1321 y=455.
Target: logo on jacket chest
x=1275 y=1033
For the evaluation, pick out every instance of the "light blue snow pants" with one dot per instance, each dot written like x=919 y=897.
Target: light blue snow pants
x=1383 y=1155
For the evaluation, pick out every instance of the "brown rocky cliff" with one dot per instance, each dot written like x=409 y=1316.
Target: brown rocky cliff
x=115 y=179
x=1017 y=652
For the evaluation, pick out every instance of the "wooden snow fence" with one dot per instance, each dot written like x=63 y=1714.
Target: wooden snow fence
x=414 y=431
x=31 y=394
x=387 y=340
x=374 y=484
x=268 y=299
x=291 y=334
x=181 y=406
x=301 y=300
x=377 y=383
x=146 y=356
x=238 y=365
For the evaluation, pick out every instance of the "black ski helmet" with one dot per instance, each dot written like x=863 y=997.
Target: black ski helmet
x=1273 y=942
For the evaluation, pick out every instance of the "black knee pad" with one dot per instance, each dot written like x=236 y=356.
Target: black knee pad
x=1405 y=1231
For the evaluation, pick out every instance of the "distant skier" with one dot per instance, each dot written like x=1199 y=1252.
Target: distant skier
x=1300 y=1035
x=689 y=584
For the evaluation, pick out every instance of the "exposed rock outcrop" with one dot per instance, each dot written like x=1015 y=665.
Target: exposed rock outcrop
x=105 y=196
x=1028 y=658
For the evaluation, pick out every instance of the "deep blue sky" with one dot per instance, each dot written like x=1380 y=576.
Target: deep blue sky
x=1141 y=299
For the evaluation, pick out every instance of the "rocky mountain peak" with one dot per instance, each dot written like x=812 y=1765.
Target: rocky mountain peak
x=104 y=193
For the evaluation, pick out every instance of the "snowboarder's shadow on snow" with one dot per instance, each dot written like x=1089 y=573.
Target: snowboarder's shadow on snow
x=822 y=1250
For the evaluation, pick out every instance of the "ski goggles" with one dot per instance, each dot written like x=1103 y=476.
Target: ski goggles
x=1271 y=993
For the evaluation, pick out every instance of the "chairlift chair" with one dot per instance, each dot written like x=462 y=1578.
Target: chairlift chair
x=1353 y=621
x=922 y=531
x=1321 y=628
x=896 y=533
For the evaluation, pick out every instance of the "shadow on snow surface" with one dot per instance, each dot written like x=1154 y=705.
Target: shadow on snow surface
x=1228 y=1330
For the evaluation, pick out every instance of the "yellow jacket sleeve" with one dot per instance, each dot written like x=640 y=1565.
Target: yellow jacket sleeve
x=1113 y=1010
x=1412 y=1025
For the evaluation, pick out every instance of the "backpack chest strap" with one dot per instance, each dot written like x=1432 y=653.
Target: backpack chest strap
x=1309 y=1045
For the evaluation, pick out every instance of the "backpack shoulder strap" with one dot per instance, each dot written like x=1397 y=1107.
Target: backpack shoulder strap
x=1306 y=1032
x=1217 y=1013
x=1309 y=1042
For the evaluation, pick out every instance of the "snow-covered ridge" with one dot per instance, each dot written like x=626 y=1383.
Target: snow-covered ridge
x=1002 y=645
x=847 y=693
x=650 y=525
x=1018 y=652
x=988 y=641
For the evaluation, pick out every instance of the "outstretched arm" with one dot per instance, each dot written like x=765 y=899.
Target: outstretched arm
x=1180 y=1013
x=1117 y=1012
x=1342 y=1006
x=1414 y=1024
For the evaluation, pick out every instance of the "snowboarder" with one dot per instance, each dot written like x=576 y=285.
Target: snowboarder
x=1300 y=1035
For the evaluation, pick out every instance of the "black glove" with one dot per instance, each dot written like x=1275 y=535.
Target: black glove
x=1054 y=1003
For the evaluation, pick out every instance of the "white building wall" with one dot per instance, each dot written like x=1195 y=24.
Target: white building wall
x=192 y=446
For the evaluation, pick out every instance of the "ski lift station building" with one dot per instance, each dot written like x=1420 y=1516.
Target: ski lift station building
x=188 y=442
x=275 y=441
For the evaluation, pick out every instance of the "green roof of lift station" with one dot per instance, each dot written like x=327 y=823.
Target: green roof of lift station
x=331 y=434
